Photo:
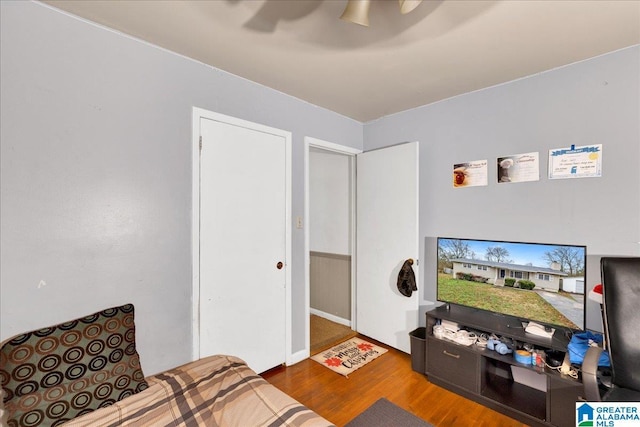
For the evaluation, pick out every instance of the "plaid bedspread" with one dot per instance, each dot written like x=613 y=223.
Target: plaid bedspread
x=214 y=391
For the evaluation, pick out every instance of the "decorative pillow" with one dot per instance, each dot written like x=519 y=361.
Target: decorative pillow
x=54 y=374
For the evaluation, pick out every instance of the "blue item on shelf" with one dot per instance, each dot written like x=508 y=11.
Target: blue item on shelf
x=580 y=343
x=498 y=346
x=522 y=356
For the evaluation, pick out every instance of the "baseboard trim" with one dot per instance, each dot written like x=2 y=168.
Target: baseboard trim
x=328 y=316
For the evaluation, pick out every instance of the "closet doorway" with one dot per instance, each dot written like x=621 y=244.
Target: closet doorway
x=386 y=227
x=330 y=243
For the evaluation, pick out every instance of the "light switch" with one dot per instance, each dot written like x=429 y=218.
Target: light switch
x=298 y=222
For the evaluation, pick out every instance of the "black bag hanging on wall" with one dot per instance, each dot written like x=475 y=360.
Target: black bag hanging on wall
x=407 y=279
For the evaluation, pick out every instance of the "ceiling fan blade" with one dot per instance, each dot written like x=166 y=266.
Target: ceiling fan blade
x=407 y=6
x=357 y=11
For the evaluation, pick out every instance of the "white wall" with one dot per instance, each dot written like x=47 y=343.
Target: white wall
x=96 y=175
x=95 y=170
x=329 y=202
x=591 y=102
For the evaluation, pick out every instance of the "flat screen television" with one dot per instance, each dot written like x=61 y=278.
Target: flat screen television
x=539 y=282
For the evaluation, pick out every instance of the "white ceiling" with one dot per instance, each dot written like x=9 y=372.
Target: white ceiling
x=441 y=49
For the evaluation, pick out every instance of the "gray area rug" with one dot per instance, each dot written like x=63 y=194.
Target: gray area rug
x=385 y=414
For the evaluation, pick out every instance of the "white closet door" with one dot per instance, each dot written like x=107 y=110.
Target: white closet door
x=387 y=235
x=243 y=220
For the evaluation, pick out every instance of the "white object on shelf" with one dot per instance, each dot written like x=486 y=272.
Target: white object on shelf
x=449 y=325
x=539 y=330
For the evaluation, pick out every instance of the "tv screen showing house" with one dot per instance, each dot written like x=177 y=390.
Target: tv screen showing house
x=539 y=282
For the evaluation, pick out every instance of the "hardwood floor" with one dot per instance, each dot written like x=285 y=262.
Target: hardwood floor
x=340 y=399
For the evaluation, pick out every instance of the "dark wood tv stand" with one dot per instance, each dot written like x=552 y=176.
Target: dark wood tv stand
x=486 y=376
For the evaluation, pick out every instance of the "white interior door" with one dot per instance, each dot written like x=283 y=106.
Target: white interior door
x=243 y=242
x=387 y=235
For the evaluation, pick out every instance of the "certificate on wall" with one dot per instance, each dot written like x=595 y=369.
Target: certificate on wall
x=519 y=168
x=470 y=174
x=576 y=162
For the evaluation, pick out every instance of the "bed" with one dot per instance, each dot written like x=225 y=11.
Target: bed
x=87 y=372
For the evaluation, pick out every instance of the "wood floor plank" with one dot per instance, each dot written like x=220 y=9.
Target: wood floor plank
x=340 y=399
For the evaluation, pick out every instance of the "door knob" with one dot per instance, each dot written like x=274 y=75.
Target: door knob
x=279 y=265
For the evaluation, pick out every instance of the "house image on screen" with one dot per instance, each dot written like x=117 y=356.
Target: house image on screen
x=573 y=284
x=549 y=279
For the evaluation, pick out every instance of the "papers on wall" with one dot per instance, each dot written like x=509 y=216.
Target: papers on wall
x=576 y=162
x=519 y=168
x=470 y=174
x=573 y=162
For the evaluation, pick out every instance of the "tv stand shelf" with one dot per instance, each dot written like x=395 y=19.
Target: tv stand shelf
x=499 y=324
x=536 y=396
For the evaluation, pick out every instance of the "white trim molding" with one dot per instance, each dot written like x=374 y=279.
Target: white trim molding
x=309 y=143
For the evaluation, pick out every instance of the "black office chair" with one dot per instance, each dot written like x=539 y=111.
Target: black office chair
x=621 y=315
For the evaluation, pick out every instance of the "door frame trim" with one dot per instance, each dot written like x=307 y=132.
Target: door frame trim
x=197 y=115
x=310 y=142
